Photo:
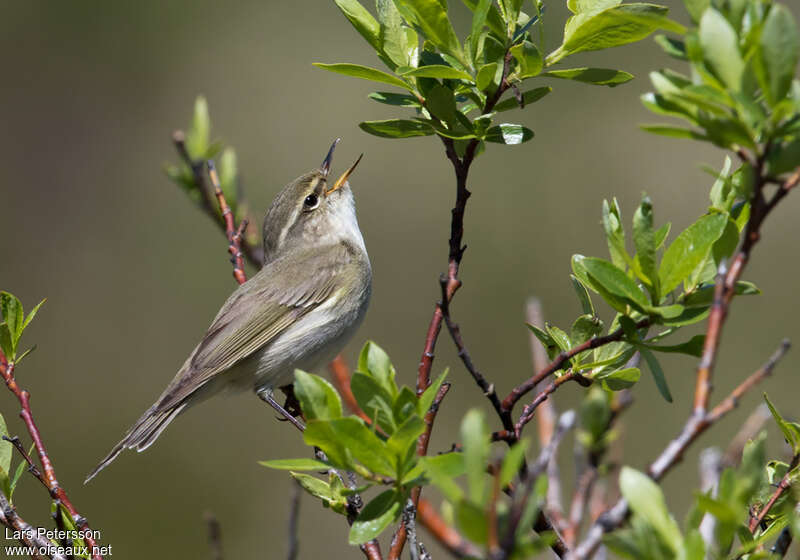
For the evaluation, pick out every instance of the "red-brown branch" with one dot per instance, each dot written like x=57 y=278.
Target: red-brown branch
x=340 y=374
x=558 y=363
x=447 y=536
x=234 y=234
x=399 y=539
x=672 y=454
x=47 y=471
x=782 y=487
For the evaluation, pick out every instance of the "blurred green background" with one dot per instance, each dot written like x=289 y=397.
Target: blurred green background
x=134 y=273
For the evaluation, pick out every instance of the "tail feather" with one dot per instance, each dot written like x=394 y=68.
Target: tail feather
x=141 y=435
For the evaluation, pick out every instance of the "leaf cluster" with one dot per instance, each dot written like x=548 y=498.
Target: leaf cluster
x=455 y=87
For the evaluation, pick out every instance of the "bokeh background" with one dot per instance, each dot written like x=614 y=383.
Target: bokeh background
x=133 y=272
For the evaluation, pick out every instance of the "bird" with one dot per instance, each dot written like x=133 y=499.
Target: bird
x=297 y=312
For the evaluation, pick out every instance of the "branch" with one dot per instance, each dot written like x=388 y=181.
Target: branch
x=27 y=534
x=558 y=363
x=783 y=485
x=48 y=472
x=694 y=427
x=294 y=522
x=254 y=254
x=234 y=234
x=446 y=535
x=399 y=538
x=340 y=374
x=530 y=409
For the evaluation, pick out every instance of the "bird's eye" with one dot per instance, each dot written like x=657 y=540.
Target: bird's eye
x=311 y=201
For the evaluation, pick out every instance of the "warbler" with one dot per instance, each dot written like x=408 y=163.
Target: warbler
x=297 y=312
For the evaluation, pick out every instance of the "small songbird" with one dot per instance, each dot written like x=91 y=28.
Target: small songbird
x=297 y=312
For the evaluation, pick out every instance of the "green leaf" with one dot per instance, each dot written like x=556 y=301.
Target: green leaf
x=471 y=520
x=493 y=18
x=314 y=486
x=658 y=373
x=31 y=315
x=596 y=76
x=721 y=48
x=441 y=470
x=672 y=131
x=441 y=103
x=403 y=442
x=790 y=430
x=13 y=316
x=619 y=379
x=375 y=361
x=6 y=451
x=529 y=58
x=362 y=20
x=689 y=249
x=584 y=328
x=692 y=347
x=405 y=405
x=431 y=17
x=512 y=462
x=612 y=27
x=374 y=400
x=779 y=51
x=509 y=134
x=673 y=47
x=397 y=99
x=318 y=399
x=696 y=8
x=365 y=73
x=426 y=399
x=479 y=14
x=644 y=239
x=198 y=136
x=530 y=96
x=396 y=128
x=647 y=501
x=393 y=38
x=583 y=296
x=345 y=439
x=615 y=281
x=485 y=76
x=439 y=71
x=615 y=233
x=383 y=510
x=296 y=465
x=475 y=438
x=581 y=272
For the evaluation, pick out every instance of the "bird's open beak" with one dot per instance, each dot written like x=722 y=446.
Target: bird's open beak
x=326 y=163
x=343 y=179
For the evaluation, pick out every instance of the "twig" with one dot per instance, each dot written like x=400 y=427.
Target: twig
x=546 y=417
x=214 y=535
x=48 y=471
x=522 y=494
x=233 y=233
x=399 y=538
x=783 y=485
x=294 y=522
x=446 y=535
x=26 y=533
x=558 y=363
x=487 y=388
x=254 y=254
x=669 y=457
x=751 y=427
x=32 y=468
x=782 y=544
x=530 y=409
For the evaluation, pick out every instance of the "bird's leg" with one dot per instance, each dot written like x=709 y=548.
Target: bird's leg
x=266 y=396
x=292 y=405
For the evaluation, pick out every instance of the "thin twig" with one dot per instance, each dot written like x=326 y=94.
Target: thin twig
x=671 y=455
x=233 y=233
x=783 y=485
x=214 y=531
x=558 y=363
x=254 y=254
x=446 y=535
x=399 y=538
x=25 y=533
x=294 y=522
x=48 y=471
x=523 y=491
x=340 y=374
